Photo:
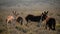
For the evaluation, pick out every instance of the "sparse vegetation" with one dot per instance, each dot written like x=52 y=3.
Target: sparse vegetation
x=21 y=29
x=32 y=29
x=58 y=14
x=58 y=25
x=30 y=33
x=58 y=28
x=1 y=30
x=18 y=28
x=24 y=30
x=1 y=20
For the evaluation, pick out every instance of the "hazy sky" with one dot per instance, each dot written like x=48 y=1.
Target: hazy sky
x=30 y=4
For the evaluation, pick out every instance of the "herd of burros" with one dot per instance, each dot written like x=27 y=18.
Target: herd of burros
x=50 y=21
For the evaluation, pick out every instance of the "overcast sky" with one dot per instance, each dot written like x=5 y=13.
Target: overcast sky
x=30 y=4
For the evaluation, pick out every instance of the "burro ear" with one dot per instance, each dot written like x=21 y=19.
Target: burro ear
x=14 y=13
x=47 y=12
x=42 y=13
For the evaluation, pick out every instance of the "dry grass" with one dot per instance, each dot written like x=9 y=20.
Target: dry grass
x=23 y=29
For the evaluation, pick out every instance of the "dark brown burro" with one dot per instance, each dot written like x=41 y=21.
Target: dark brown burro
x=51 y=23
x=33 y=18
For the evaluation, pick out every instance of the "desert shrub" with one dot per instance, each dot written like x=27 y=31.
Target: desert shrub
x=30 y=33
x=1 y=30
x=1 y=19
x=58 y=14
x=38 y=25
x=24 y=30
x=18 y=28
x=58 y=25
x=21 y=29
